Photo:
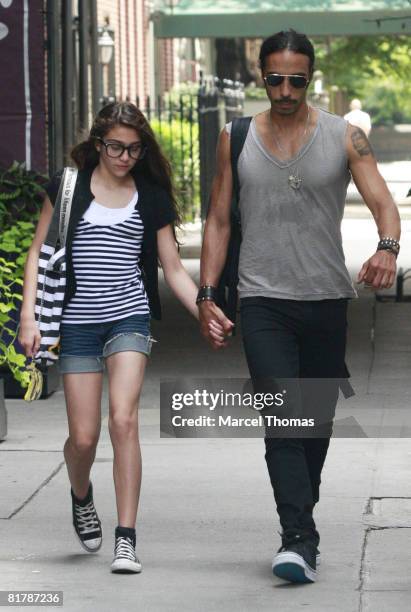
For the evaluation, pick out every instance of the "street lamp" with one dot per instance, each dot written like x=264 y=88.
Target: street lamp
x=105 y=54
x=105 y=47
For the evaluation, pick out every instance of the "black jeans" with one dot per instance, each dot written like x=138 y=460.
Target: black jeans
x=295 y=339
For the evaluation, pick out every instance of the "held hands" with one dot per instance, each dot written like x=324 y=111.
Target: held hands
x=378 y=272
x=214 y=325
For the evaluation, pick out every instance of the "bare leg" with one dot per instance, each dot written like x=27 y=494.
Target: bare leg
x=126 y=373
x=83 y=399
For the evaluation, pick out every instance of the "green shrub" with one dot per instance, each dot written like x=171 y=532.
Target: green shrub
x=14 y=244
x=255 y=93
x=180 y=143
x=384 y=100
x=21 y=194
x=10 y=298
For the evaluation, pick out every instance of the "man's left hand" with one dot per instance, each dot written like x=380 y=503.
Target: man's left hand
x=379 y=271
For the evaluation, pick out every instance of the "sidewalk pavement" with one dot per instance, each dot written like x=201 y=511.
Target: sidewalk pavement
x=207 y=528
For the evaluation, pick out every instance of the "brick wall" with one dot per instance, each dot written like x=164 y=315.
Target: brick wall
x=166 y=52
x=129 y=20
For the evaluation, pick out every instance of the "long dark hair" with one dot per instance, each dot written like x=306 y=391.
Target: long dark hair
x=287 y=39
x=154 y=165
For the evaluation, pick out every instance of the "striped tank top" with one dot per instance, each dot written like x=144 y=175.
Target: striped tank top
x=106 y=252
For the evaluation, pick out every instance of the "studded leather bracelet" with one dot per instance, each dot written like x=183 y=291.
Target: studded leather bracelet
x=389 y=244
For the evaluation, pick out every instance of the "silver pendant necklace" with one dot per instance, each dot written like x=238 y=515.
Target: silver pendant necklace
x=294 y=178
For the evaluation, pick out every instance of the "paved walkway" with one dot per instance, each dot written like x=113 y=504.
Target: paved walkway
x=207 y=526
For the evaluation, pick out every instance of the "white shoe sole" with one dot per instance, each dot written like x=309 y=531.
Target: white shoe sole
x=95 y=544
x=291 y=567
x=124 y=566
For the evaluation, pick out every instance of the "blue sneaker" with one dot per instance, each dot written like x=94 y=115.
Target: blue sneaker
x=296 y=559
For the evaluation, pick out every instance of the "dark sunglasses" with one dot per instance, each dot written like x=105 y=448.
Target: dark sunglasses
x=296 y=80
x=115 y=149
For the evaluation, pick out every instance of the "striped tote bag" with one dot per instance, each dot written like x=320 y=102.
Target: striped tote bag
x=51 y=279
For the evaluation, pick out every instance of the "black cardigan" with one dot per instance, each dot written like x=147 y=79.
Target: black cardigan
x=156 y=210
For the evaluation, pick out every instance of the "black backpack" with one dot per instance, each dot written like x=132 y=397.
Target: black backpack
x=227 y=287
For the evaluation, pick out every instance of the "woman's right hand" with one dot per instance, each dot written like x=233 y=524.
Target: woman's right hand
x=29 y=336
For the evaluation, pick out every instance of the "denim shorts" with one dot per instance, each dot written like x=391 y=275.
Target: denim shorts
x=84 y=346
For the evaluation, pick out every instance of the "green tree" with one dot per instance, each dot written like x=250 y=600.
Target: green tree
x=375 y=69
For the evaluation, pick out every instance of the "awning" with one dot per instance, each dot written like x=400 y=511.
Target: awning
x=260 y=18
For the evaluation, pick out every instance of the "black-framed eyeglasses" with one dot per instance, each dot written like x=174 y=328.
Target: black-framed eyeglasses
x=296 y=80
x=136 y=150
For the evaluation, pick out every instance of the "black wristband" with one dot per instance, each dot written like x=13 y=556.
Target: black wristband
x=207 y=293
x=389 y=244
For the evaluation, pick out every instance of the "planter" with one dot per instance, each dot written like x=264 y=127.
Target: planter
x=3 y=412
x=12 y=389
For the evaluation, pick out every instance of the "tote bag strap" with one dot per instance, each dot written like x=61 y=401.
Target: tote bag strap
x=69 y=183
x=62 y=208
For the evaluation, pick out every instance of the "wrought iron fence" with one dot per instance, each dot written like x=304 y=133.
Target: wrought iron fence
x=174 y=119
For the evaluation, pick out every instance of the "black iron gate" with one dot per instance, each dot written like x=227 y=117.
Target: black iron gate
x=218 y=103
x=187 y=126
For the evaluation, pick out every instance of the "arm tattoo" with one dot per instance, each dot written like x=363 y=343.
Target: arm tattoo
x=361 y=143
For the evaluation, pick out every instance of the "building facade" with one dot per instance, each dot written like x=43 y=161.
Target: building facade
x=128 y=22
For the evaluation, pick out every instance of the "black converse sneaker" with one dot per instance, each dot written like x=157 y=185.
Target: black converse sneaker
x=86 y=522
x=125 y=560
x=296 y=559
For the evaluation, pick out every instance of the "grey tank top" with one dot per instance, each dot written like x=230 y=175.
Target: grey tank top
x=292 y=244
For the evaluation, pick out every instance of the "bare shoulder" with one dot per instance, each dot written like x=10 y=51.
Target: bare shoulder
x=223 y=145
x=357 y=142
x=225 y=133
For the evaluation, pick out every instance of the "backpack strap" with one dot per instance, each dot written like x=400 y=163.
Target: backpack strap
x=239 y=131
x=227 y=300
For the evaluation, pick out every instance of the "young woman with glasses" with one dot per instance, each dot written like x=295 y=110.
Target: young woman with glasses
x=122 y=222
